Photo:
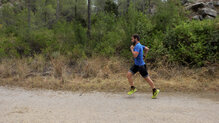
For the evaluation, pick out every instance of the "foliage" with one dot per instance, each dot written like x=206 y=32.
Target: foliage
x=111 y=7
x=170 y=36
x=192 y=42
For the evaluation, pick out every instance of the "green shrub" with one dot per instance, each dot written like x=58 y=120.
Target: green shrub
x=157 y=52
x=40 y=39
x=77 y=52
x=68 y=35
x=12 y=47
x=110 y=43
x=168 y=15
x=191 y=43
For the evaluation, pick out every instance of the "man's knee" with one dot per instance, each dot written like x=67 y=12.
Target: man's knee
x=146 y=77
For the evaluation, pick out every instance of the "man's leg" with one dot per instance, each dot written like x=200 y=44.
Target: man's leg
x=154 y=90
x=150 y=82
x=130 y=73
x=144 y=73
x=129 y=76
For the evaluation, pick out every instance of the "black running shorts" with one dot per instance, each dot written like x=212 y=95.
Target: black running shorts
x=141 y=69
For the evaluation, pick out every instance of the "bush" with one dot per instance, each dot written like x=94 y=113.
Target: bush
x=12 y=47
x=108 y=46
x=68 y=35
x=168 y=15
x=157 y=53
x=191 y=43
x=77 y=52
x=40 y=39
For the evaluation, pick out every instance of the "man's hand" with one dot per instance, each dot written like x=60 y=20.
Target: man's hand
x=132 y=47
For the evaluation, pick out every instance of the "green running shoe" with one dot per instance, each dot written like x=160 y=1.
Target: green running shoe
x=132 y=91
x=155 y=93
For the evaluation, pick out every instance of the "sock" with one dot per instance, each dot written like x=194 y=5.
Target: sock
x=132 y=87
x=154 y=89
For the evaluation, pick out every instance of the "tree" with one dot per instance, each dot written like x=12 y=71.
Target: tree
x=111 y=7
x=99 y=5
x=122 y=7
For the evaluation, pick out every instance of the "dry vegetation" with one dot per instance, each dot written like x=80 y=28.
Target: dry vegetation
x=101 y=74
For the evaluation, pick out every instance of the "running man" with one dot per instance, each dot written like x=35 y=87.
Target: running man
x=137 y=50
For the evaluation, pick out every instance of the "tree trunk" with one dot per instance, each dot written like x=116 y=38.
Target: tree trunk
x=149 y=6
x=128 y=1
x=57 y=11
x=134 y=4
x=89 y=18
x=29 y=14
x=45 y=14
x=143 y=8
x=76 y=1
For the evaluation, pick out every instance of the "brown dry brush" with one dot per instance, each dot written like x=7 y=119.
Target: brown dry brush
x=102 y=74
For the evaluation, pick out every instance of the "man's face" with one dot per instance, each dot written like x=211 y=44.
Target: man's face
x=133 y=41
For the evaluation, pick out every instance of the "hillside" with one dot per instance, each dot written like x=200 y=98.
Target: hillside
x=85 y=46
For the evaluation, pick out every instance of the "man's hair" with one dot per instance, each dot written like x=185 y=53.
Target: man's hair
x=135 y=36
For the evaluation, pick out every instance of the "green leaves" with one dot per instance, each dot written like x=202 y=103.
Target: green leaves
x=169 y=35
x=189 y=42
x=111 y=7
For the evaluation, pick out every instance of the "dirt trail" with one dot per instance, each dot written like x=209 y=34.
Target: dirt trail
x=44 y=106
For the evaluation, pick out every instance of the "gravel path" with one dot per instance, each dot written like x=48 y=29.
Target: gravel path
x=45 y=106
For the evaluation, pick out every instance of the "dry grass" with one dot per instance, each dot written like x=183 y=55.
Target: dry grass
x=101 y=74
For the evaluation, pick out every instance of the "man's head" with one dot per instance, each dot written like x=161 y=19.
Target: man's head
x=135 y=39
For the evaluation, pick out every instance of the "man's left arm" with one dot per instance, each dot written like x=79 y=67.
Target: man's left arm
x=146 y=49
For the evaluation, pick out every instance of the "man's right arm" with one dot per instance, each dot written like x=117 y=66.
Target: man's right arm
x=134 y=52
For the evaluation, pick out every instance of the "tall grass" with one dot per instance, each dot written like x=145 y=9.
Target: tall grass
x=101 y=74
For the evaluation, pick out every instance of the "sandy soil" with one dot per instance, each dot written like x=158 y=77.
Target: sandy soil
x=45 y=106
